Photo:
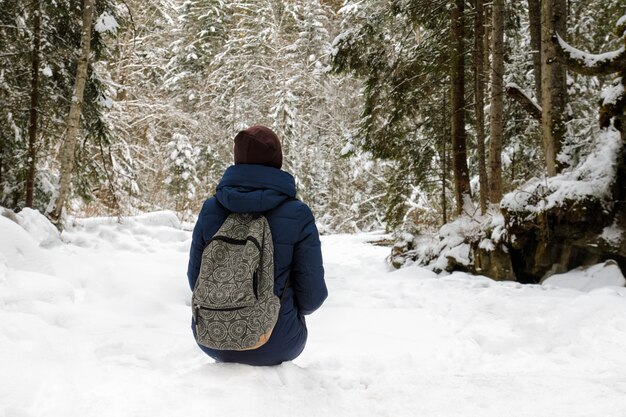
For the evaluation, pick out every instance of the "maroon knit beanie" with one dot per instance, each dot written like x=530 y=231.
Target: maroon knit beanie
x=258 y=145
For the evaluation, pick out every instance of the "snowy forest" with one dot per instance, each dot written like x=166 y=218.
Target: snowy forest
x=464 y=160
x=479 y=118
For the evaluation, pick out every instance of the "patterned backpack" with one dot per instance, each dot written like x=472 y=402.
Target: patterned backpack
x=233 y=302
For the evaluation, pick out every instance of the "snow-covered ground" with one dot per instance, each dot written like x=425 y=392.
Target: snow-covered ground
x=98 y=324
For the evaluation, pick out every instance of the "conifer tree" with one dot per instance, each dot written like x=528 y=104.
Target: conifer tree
x=496 y=116
x=30 y=139
x=479 y=106
x=457 y=78
x=402 y=54
x=182 y=180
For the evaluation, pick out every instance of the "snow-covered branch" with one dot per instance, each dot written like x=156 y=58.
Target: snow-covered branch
x=515 y=92
x=590 y=64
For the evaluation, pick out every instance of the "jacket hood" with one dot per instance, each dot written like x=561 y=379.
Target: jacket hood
x=254 y=188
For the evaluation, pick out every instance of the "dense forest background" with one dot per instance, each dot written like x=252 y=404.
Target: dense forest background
x=401 y=114
x=169 y=84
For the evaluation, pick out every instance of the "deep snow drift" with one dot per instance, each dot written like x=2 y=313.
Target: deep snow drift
x=97 y=323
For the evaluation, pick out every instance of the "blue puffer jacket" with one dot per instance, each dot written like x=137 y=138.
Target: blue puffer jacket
x=297 y=254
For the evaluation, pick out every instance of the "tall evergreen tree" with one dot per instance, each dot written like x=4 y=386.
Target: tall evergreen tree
x=457 y=75
x=496 y=112
x=402 y=54
x=479 y=105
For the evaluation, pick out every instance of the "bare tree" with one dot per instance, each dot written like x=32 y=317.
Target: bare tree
x=73 y=119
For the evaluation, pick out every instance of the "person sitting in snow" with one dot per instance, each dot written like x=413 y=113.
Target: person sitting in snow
x=256 y=183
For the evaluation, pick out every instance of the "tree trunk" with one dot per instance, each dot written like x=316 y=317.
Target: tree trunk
x=496 y=120
x=487 y=43
x=457 y=76
x=444 y=170
x=479 y=91
x=553 y=82
x=73 y=119
x=534 y=17
x=34 y=105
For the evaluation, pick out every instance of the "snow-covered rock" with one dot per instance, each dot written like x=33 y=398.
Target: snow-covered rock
x=453 y=246
x=38 y=226
x=607 y=274
x=18 y=249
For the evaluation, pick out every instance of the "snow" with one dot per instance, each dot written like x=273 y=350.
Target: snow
x=105 y=102
x=612 y=234
x=18 y=249
x=38 y=226
x=590 y=60
x=487 y=244
x=530 y=100
x=342 y=37
x=106 y=23
x=592 y=178
x=103 y=328
x=347 y=149
x=611 y=94
x=602 y=275
x=47 y=71
x=454 y=238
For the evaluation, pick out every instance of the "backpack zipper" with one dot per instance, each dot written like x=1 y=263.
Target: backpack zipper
x=235 y=241
x=198 y=307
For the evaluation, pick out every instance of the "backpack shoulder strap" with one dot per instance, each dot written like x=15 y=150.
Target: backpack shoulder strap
x=288 y=283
